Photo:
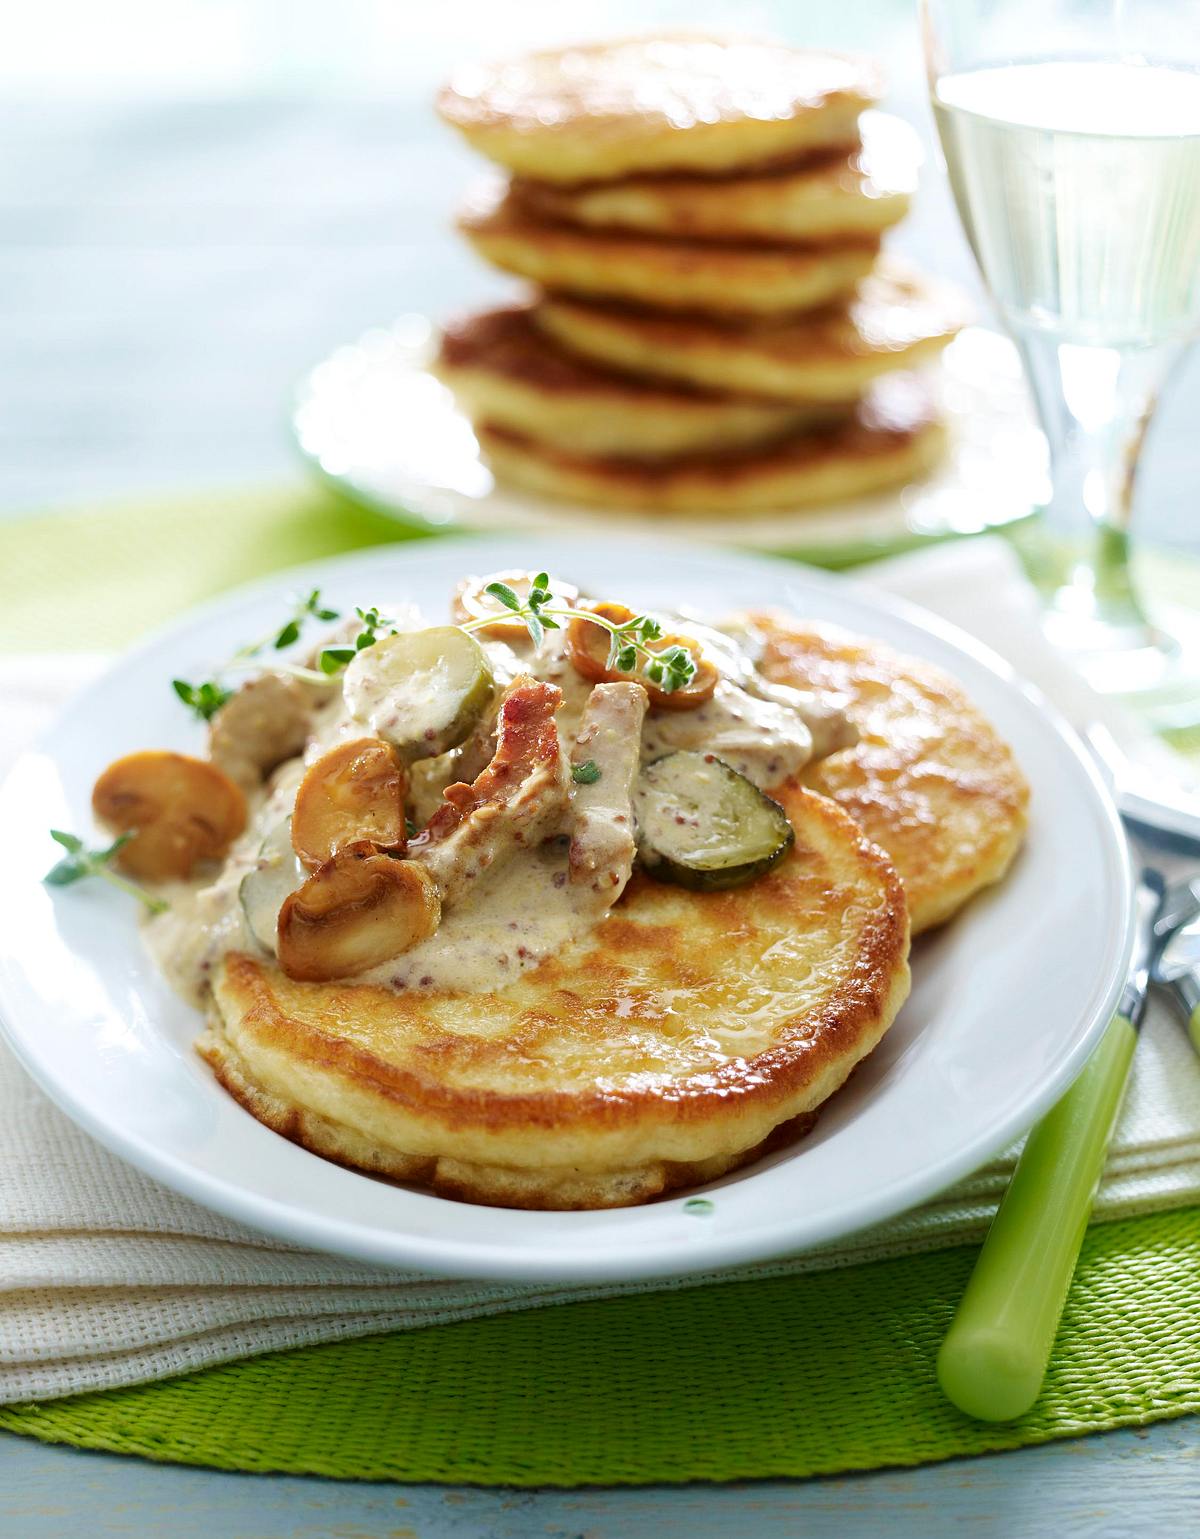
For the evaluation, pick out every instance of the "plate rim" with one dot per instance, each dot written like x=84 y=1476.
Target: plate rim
x=452 y=1258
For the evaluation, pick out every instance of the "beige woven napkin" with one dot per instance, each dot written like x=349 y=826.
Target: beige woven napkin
x=107 y=1278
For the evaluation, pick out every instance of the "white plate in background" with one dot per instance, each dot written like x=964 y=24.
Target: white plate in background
x=374 y=421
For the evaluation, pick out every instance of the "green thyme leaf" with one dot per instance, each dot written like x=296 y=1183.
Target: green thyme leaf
x=67 y=870
x=586 y=774
x=312 y=606
x=333 y=659
x=504 y=595
x=205 y=699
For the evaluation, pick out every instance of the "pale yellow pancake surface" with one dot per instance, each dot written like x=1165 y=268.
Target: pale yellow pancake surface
x=505 y=371
x=834 y=194
x=895 y=319
x=667 y=274
x=663 y=1048
x=930 y=780
x=663 y=102
x=893 y=436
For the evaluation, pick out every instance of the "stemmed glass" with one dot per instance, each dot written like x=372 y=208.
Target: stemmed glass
x=1071 y=134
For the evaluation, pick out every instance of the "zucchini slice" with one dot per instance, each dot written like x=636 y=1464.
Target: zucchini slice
x=276 y=874
x=422 y=691
x=702 y=825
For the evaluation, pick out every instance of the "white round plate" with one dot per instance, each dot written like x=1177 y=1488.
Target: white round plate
x=372 y=419
x=1007 y=1000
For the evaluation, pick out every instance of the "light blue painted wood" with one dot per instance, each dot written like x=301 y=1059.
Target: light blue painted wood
x=1121 y=1485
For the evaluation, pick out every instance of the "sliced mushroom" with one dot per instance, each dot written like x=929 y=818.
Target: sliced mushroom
x=355 y=791
x=360 y=909
x=264 y=723
x=181 y=811
x=589 y=645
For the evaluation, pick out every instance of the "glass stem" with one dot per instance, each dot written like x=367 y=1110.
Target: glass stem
x=1095 y=404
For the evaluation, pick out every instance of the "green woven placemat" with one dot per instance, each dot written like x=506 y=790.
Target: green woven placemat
x=800 y=1376
x=789 y=1376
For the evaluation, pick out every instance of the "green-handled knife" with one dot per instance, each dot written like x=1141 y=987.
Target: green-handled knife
x=994 y=1357
x=993 y=1360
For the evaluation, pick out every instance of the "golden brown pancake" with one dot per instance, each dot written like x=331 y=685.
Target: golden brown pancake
x=893 y=436
x=930 y=781
x=662 y=1049
x=726 y=279
x=663 y=102
x=504 y=370
x=833 y=194
x=895 y=319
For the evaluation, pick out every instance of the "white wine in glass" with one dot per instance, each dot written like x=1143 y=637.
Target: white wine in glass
x=1071 y=133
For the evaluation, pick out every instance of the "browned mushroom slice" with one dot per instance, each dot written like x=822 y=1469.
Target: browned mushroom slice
x=360 y=909
x=355 y=791
x=589 y=647
x=264 y=723
x=181 y=811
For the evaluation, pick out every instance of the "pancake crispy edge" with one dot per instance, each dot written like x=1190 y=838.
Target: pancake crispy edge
x=848 y=193
x=896 y=319
x=664 y=101
x=504 y=370
x=699 y=276
x=894 y=436
x=930 y=780
x=665 y=1049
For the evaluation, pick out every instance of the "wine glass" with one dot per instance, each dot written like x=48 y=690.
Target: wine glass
x=1071 y=135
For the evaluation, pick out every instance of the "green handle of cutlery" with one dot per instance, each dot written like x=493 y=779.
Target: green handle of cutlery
x=994 y=1357
x=1194 y=1028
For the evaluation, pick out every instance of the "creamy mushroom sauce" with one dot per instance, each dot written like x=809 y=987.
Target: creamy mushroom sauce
x=526 y=908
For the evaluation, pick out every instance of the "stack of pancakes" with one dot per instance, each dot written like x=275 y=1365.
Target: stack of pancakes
x=713 y=327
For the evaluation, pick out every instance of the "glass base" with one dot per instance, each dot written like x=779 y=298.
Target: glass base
x=1152 y=663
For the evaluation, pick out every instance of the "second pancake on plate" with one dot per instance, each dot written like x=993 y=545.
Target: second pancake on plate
x=845 y=193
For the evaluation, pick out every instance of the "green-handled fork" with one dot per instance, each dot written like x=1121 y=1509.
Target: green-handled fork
x=993 y=1359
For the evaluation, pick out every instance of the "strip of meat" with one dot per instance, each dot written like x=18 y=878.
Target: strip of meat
x=602 y=843
x=520 y=799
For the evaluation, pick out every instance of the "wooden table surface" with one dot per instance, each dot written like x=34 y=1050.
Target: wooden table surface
x=1118 y=1485
x=193 y=220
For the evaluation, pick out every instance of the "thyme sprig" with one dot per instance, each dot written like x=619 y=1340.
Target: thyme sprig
x=303 y=608
x=333 y=659
x=80 y=862
x=628 y=651
x=207 y=697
